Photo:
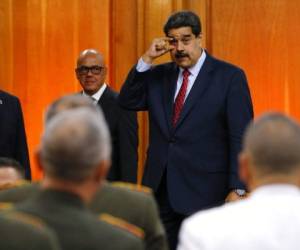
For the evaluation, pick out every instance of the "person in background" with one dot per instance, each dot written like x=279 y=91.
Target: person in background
x=11 y=172
x=13 y=142
x=269 y=218
x=91 y=72
x=198 y=109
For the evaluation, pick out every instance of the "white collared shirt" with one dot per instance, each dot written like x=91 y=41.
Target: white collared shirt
x=96 y=97
x=142 y=67
x=268 y=219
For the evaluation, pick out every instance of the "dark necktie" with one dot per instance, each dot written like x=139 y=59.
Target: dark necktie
x=179 y=101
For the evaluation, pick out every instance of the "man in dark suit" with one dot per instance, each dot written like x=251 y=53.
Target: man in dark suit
x=13 y=142
x=75 y=156
x=198 y=108
x=91 y=73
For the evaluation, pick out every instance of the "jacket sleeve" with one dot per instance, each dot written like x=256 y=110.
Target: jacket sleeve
x=133 y=94
x=239 y=112
x=21 y=149
x=128 y=145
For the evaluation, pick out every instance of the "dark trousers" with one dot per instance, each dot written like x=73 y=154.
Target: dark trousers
x=170 y=219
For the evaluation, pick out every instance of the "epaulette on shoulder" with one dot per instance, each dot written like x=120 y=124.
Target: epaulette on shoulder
x=27 y=219
x=131 y=186
x=13 y=184
x=6 y=206
x=120 y=223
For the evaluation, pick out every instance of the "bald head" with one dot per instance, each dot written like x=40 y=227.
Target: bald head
x=273 y=143
x=91 y=71
x=89 y=53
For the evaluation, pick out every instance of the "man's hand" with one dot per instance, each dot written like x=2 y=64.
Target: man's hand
x=159 y=47
x=233 y=196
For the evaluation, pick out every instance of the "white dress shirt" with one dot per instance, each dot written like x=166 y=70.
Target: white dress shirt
x=268 y=220
x=96 y=97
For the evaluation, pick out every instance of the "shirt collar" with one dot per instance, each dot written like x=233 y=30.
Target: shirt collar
x=98 y=94
x=276 y=189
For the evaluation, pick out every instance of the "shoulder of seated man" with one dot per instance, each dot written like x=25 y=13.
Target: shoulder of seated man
x=132 y=187
x=122 y=224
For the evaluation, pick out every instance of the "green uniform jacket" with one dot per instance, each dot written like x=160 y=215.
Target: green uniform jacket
x=136 y=207
x=19 y=234
x=75 y=226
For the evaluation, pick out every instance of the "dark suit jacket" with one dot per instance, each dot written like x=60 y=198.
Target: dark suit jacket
x=124 y=133
x=13 y=142
x=76 y=227
x=200 y=153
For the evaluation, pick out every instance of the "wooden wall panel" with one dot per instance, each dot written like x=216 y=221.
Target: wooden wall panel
x=40 y=40
x=261 y=36
x=6 y=45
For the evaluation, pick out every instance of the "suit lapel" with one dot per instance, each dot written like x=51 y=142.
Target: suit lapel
x=201 y=83
x=170 y=80
x=103 y=101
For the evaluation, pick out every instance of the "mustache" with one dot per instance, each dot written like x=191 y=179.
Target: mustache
x=181 y=54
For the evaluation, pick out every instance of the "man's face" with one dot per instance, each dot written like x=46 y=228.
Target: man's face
x=8 y=175
x=187 y=47
x=91 y=73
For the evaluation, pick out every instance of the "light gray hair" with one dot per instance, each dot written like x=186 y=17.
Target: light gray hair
x=70 y=102
x=74 y=143
x=273 y=142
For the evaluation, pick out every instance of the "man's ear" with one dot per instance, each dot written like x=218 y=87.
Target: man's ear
x=77 y=75
x=102 y=170
x=37 y=158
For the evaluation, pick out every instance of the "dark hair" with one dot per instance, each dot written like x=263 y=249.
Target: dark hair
x=9 y=162
x=183 y=19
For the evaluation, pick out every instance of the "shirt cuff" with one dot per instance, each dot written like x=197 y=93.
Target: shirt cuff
x=142 y=66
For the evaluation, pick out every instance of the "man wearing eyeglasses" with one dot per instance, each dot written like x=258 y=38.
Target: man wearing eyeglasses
x=198 y=108
x=91 y=73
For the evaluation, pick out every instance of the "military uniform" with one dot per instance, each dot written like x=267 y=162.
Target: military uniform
x=120 y=200
x=76 y=227
x=20 y=232
x=19 y=193
x=135 y=206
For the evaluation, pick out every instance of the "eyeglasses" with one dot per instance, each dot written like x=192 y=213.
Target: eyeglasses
x=185 y=39
x=84 y=70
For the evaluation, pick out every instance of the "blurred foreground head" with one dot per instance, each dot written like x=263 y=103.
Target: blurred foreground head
x=271 y=151
x=75 y=145
x=70 y=102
